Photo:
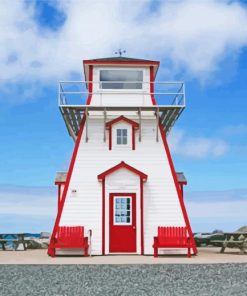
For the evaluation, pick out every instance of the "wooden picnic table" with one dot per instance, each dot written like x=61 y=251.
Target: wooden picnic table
x=233 y=240
x=16 y=239
x=21 y=240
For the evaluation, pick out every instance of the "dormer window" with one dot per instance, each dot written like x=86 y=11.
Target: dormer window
x=121 y=79
x=122 y=136
x=122 y=133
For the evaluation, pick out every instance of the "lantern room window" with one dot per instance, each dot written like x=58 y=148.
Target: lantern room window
x=122 y=136
x=121 y=79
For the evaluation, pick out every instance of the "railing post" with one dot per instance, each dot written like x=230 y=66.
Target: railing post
x=140 y=124
x=104 y=124
x=184 y=94
x=59 y=94
x=86 y=114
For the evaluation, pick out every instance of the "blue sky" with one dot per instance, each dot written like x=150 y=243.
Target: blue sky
x=43 y=42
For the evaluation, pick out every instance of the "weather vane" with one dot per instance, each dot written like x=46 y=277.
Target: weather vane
x=120 y=52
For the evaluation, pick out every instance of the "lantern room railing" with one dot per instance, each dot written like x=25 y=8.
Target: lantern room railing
x=166 y=93
x=73 y=95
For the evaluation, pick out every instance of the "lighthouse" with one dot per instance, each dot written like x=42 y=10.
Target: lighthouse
x=121 y=184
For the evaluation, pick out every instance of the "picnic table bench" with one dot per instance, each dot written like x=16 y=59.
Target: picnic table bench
x=232 y=240
x=69 y=237
x=3 y=242
x=172 y=237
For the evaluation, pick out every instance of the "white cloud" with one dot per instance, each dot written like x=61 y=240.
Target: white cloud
x=235 y=130
x=217 y=196
x=223 y=209
x=28 y=201
x=196 y=147
x=193 y=36
x=27 y=209
x=224 y=215
x=34 y=209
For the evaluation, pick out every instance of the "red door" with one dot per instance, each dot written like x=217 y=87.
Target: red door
x=122 y=219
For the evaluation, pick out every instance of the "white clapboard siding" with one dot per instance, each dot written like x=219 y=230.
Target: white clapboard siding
x=84 y=207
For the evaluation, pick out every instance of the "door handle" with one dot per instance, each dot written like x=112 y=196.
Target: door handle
x=134 y=227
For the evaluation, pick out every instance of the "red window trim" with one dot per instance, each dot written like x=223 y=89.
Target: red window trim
x=143 y=178
x=121 y=165
x=122 y=118
x=134 y=124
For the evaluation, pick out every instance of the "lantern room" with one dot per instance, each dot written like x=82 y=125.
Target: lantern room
x=116 y=85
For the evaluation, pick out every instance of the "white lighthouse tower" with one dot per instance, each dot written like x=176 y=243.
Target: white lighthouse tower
x=121 y=183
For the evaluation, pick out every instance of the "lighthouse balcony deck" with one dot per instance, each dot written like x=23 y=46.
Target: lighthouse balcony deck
x=168 y=102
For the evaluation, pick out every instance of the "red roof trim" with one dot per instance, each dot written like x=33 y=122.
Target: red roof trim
x=122 y=165
x=183 y=182
x=122 y=118
x=90 y=62
x=60 y=182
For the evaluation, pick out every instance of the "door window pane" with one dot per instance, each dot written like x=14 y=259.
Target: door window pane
x=122 y=211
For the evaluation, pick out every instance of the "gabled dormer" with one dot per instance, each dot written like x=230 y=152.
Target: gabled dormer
x=122 y=133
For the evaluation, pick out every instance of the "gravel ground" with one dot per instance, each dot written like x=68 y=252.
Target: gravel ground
x=61 y=280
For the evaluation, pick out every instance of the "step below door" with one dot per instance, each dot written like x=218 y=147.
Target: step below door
x=122 y=219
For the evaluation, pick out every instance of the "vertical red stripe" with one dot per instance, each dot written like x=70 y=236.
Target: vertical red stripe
x=58 y=196
x=90 y=85
x=133 y=138
x=182 y=190
x=152 y=84
x=110 y=138
x=103 y=217
x=142 y=218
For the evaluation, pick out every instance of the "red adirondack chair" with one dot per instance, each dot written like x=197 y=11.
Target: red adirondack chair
x=69 y=237
x=172 y=237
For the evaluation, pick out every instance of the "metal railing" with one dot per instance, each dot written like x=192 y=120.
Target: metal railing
x=166 y=93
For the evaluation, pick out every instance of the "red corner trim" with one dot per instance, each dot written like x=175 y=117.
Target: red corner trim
x=103 y=217
x=179 y=192
x=121 y=165
x=58 y=196
x=122 y=118
x=66 y=186
x=90 y=85
x=182 y=190
x=133 y=138
x=152 y=85
x=142 y=218
x=110 y=138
